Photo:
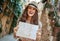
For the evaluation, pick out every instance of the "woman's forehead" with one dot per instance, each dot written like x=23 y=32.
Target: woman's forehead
x=31 y=7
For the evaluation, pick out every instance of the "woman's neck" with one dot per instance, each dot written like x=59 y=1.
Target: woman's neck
x=29 y=19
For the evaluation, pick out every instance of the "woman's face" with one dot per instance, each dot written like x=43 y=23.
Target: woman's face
x=31 y=11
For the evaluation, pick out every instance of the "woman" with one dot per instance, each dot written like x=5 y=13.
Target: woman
x=30 y=15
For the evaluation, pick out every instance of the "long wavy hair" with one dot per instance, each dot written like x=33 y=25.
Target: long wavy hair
x=24 y=17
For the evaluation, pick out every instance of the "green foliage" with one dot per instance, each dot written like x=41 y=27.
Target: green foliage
x=6 y=13
x=56 y=1
x=12 y=6
x=0 y=30
x=43 y=1
x=14 y=21
x=15 y=7
x=51 y=14
x=0 y=27
x=47 y=5
x=57 y=24
x=58 y=34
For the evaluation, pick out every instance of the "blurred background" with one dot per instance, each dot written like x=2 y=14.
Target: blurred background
x=49 y=15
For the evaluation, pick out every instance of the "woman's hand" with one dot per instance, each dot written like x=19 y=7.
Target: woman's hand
x=38 y=35
x=15 y=30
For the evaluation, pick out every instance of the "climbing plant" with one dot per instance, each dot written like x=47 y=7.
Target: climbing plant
x=13 y=7
x=53 y=4
x=0 y=27
x=58 y=36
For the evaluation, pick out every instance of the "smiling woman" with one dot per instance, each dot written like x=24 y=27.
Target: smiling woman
x=30 y=15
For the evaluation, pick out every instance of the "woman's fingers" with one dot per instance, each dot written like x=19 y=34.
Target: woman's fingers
x=38 y=35
x=15 y=30
x=24 y=39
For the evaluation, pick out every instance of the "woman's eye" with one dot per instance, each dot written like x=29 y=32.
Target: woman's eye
x=34 y=9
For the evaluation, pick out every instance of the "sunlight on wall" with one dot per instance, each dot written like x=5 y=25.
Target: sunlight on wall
x=35 y=0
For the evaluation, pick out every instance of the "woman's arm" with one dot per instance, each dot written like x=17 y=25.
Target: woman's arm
x=16 y=28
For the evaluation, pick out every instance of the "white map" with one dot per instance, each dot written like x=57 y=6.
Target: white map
x=27 y=30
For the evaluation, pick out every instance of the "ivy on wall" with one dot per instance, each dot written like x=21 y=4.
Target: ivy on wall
x=58 y=36
x=0 y=27
x=49 y=6
x=12 y=6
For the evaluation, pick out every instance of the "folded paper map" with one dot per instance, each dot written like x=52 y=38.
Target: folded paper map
x=27 y=30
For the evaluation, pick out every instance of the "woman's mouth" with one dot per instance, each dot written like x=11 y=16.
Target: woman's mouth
x=30 y=12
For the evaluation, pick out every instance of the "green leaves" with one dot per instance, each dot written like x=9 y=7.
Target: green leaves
x=56 y=1
x=58 y=34
x=16 y=7
x=1 y=8
x=17 y=10
x=47 y=5
x=57 y=24
x=13 y=7
x=0 y=27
